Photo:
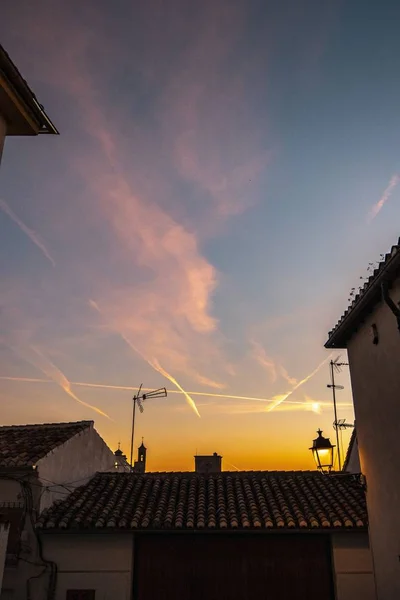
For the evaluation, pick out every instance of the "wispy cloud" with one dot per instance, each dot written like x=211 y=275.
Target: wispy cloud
x=32 y=235
x=36 y=358
x=393 y=183
x=264 y=360
x=156 y=365
x=123 y=388
x=283 y=397
x=273 y=367
x=153 y=363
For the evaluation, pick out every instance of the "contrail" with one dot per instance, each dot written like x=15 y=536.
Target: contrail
x=32 y=235
x=129 y=388
x=50 y=370
x=395 y=180
x=154 y=364
x=281 y=398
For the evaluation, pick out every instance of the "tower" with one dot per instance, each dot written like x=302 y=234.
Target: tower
x=140 y=463
x=120 y=463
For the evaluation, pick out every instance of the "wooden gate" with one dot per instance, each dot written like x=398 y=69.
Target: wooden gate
x=232 y=567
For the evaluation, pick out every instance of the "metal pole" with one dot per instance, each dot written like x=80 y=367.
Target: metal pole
x=335 y=412
x=133 y=427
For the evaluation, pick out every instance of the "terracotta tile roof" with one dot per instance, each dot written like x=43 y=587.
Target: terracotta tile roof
x=368 y=295
x=227 y=501
x=24 y=445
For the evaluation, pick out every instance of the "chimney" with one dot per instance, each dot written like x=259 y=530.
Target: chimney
x=208 y=463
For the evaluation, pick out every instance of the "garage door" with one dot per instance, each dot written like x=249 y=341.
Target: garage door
x=232 y=567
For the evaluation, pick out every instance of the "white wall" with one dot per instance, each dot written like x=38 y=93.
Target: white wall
x=353 y=464
x=3 y=548
x=102 y=562
x=375 y=377
x=73 y=463
x=354 y=578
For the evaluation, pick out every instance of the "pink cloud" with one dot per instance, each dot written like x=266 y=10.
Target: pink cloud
x=165 y=303
x=32 y=235
x=393 y=183
x=264 y=360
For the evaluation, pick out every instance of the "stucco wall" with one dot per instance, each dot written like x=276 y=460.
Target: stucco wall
x=72 y=464
x=353 y=464
x=102 y=562
x=375 y=376
x=354 y=578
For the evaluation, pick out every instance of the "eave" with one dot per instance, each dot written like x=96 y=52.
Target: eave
x=365 y=301
x=19 y=106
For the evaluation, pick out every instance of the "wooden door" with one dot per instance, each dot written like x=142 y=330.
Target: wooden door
x=232 y=567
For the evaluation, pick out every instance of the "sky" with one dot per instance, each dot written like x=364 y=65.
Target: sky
x=226 y=172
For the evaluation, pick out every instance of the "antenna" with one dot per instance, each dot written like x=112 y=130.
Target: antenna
x=138 y=399
x=335 y=366
x=341 y=424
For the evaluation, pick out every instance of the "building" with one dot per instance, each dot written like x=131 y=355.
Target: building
x=286 y=535
x=370 y=331
x=352 y=460
x=20 y=111
x=139 y=466
x=38 y=465
x=208 y=464
x=121 y=464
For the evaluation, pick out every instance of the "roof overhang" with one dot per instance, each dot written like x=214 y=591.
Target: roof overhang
x=18 y=104
x=206 y=531
x=364 y=303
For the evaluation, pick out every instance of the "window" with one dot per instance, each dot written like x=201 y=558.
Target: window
x=81 y=594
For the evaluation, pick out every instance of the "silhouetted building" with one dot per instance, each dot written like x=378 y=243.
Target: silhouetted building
x=121 y=463
x=208 y=463
x=139 y=465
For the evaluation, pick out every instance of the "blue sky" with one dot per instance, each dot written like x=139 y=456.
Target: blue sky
x=211 y=200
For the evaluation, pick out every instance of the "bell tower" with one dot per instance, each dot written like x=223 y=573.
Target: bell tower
x=140 y=463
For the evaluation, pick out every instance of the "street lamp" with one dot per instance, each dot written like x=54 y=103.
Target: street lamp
x=322 y=450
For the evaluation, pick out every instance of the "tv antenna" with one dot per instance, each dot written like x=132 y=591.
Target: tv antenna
x=138 y=399
x=341 y=424
x=336 y=367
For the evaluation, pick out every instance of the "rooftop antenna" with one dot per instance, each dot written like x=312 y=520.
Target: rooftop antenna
x=138 y=399
x=336 y=367
x=341 y=424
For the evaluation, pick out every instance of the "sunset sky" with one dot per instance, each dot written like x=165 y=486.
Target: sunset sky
x=225 y=173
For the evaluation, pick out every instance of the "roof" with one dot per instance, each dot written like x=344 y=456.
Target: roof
x=364 y=301
x=263 y=500
x=24 y=445
x=23 y=112
x=352 y=441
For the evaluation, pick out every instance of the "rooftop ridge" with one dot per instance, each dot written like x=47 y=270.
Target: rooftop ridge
x=64 y=424
x=379 y=272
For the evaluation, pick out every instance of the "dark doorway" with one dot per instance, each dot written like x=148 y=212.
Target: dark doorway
x=232 y=567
